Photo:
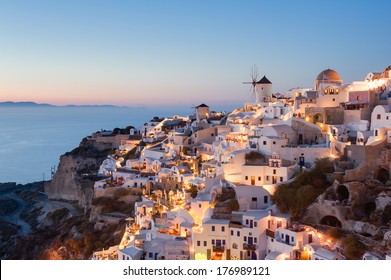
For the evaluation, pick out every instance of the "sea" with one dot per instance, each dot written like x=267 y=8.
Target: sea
x=32 y=139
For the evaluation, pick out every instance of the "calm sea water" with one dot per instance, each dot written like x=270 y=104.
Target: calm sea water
x=32 y=139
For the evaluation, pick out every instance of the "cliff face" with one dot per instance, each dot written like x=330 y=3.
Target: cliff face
x=75 y=177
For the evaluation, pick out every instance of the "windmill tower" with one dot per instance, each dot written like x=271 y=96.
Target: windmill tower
x=264 y=90
x=261 y=90
x=201 y=112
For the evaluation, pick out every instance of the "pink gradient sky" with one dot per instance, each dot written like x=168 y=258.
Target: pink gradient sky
x=181 y=52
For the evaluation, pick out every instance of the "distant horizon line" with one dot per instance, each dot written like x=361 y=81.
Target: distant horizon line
x=9 y=103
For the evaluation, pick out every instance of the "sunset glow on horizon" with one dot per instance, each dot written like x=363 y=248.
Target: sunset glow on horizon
x=161 y=53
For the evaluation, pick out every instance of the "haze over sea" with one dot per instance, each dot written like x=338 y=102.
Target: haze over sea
x=33 y=138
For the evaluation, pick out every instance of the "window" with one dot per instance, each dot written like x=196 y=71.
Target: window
x=234 y=246
x=205 y=243
x=387 y=118
x=376 y=132
x=246 y=178
x=259 y=178
x=223 y=241
x=238 y=233
x=282 y=236
x=378 y=116
x=199 y=205
x=150 y=254
x=255 y=224
x=333 y=99
x=123 y=257
x=255 y=240
x=274 y=171
x=246 y=221
x=267 y=178
x=265 y=199
x=245 y=238
x=223 y=228
x=213 y=228
x=198 y=243
x=281 y=179
x=292 y=239
x=232 y=232
x=274 y=142
x=264 y=142
x=212 y=134
x=213 y=242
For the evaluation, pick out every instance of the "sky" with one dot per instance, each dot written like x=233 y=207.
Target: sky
x=154 y=52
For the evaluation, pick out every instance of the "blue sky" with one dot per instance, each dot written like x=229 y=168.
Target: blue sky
x=182 y=52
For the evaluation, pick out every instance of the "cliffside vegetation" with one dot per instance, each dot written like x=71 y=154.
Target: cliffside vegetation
x=295 y=197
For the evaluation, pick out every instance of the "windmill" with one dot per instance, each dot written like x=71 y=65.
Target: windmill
x=253 y=83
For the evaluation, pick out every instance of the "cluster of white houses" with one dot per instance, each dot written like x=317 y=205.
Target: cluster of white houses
x=207 y=179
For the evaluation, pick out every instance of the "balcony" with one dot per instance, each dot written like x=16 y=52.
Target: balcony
x=270 y=233
x=218 y=249
x=249 y=247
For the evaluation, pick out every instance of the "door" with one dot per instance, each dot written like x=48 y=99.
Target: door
x=274 y=179
x=252 y=180
x=300 y=139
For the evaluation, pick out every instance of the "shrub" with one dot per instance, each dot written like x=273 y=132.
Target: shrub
x=354 y=249
x=334 y=233
x=254 y=155
x=120 y=192
x=294 y=198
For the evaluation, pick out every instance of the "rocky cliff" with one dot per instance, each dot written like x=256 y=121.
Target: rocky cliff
x=76 y=174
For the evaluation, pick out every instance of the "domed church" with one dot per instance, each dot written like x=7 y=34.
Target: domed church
x=328 y=78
